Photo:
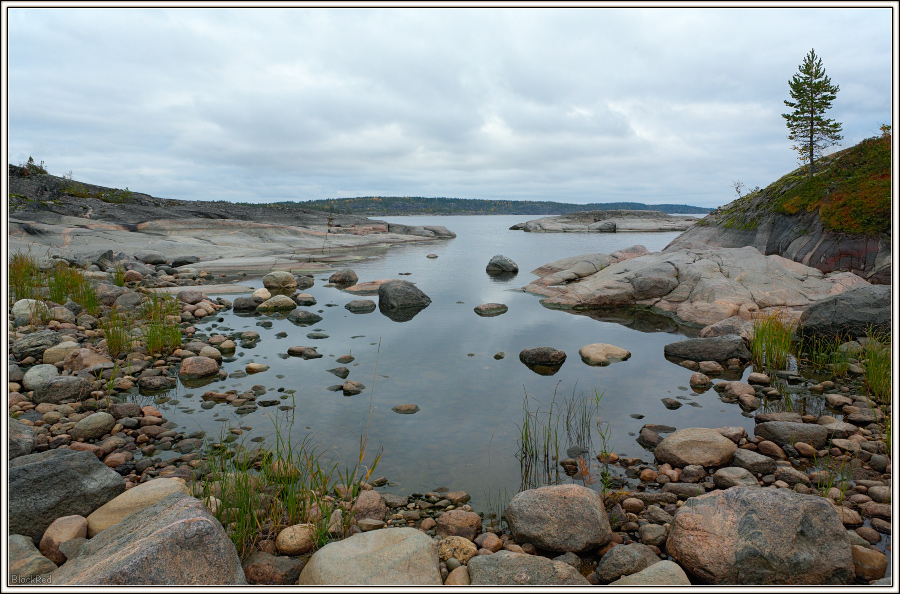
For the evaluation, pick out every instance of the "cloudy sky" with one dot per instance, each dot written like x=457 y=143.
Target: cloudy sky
x=576 y=105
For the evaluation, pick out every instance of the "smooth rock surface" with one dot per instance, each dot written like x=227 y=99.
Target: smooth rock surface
x=505 y=568
x=698 y=446
x=562 y=518
x=132 y=500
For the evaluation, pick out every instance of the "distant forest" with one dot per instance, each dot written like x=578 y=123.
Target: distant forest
x=415 y=205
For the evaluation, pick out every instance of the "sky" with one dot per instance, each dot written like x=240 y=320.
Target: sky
x=586 y=104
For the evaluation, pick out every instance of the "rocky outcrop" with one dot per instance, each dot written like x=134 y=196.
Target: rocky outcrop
x=748 y=535
x=610 y=221
x=698 y=286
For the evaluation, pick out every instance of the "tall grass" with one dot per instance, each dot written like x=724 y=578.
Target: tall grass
x=876 y=356
x=24 y=277
x=116 y=329
x=538 y=445
x=161 y=333
x=770 y=344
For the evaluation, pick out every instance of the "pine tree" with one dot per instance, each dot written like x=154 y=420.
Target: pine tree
x=813 y=93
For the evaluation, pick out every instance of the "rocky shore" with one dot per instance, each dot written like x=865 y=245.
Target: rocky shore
x=608 y=221
x=92 y=501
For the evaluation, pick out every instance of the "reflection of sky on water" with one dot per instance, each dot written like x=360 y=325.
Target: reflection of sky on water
x=464 y=436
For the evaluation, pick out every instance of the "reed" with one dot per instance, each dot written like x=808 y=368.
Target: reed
x=876 y=358
x=24 y=277
x=116 y=329
x=161 y=333
x=770 y=344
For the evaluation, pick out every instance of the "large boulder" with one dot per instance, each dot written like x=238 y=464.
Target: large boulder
x=400 y=556
x=784 y=433
x=501 y=265
x=505 y=568
x=695 y=446
x=93 y=426
x=132 y=500
x=718 y=348
x=762 y=537
x=564 y=518
x=625 y=560
x=849 y=314
x=177 y=541
x=34 y=344
x=198 y=367
x=25 y=308
x=56 y=483
x=39 y=375
x=401 y=300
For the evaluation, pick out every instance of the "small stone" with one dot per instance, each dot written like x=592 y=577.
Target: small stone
x=295 y=540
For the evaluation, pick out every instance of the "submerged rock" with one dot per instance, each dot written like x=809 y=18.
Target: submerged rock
x=501 y=265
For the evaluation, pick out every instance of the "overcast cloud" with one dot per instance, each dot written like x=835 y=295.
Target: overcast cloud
x=575 y=105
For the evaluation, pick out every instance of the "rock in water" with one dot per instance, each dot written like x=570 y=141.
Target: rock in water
x=401 y=300
x=543 y=360
x=719 y=348
x=602 y=354
x=849 y=314
x=697 y=446
x=280 y=282
x=56 y=483
x=501 y=265
x=748 y=535
x=564 y=518
x=401 y=556
x=174 y=542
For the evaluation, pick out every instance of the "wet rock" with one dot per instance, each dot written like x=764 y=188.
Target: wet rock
x=176 y=541
x=720 y=348
x=352 y=388
x=747 y=535
x=401 y=556
x=603 y=354
x=506 y=568
x=244 y=304
x=401 y=300
x=341 y=372
x=488 y=310
x=405 y=409
x=501 y=265
x=543 y=360
x=700 y=381
x=305 y=352
x=157 y=383
x=56 y=483
x=703 y=447
x=301 y=317
x=361 y=306
x=563 y=518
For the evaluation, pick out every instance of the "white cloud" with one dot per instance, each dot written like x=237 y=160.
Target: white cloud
x=651 y=105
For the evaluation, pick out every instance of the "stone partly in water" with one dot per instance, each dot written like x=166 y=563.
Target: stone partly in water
x=603 y=354
x=301 y=317
x=361 y=306
x=488 y=310
x=177 y=541
x=280 y=282
x=405 y=409
x=719 y=348
x=748 y=535
x=198 y=367
x=278 y=303
x=850 y=314
x=401 y=300
x=401 y=556
x=500 y=265
x=543 y=360
x=564 y=518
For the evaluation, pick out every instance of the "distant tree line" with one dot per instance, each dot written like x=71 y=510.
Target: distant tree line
x=417 y=205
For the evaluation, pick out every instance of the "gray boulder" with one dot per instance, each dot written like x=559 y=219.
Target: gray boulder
x=345 y=276
x=361 y=306
x=35 y=344
x=39 y=375
x=302 y=317
x=174 y=542
x=56 y=483
x=23 y=308
x=753 y=462
x=150 y=257
x=280 y=303
x=624 y=560
x=784 y=433
x=505 y=568
x=108 y=293
x=763 y=537
x=400 y=556
x=63 y=388
x=246 y=303
x=734 y=476
x=21 y=439
x=543 y=360
x=717 y=348
x=401 y=300
x=501 y=265
x=562 y=518
x=849 y=314
x=93 y=426
x=128 y=300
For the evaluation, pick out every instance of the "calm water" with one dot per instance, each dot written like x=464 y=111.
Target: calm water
x=465 y=435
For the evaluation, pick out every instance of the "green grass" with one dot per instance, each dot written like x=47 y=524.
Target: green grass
x=161 y=330
x=770 y=344
x=119 y=274
x=24 y=277
x=876 y=358
x=116 y=328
